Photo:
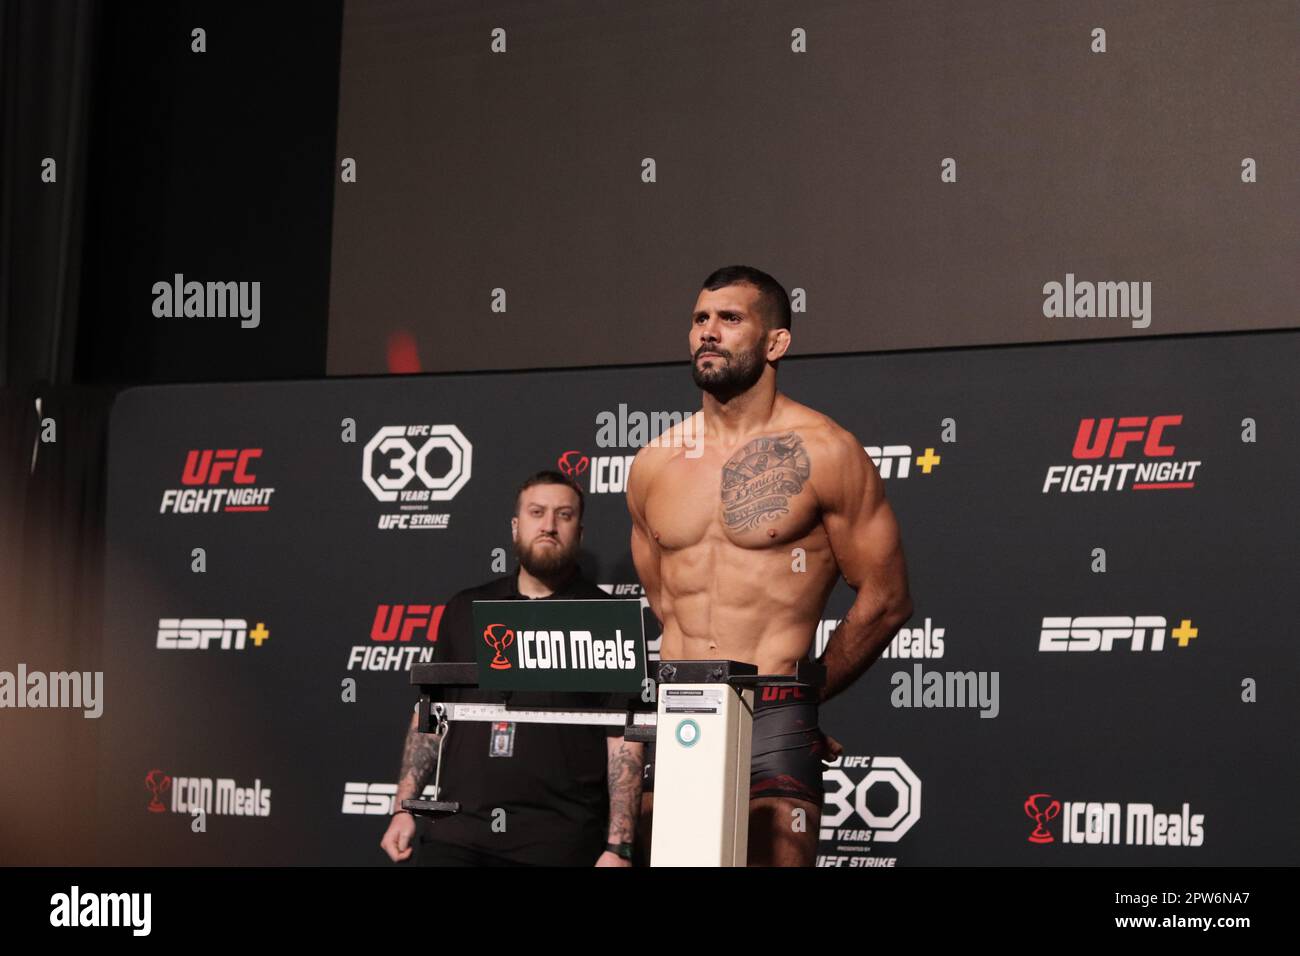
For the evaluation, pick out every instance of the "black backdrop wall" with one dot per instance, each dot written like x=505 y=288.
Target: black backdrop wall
x=167 y=160
x=222 y=165
x=992 y=557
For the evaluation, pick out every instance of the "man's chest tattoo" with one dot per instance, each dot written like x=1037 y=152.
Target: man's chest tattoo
x=759 y=480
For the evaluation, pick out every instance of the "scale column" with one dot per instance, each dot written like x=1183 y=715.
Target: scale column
x=702 y=755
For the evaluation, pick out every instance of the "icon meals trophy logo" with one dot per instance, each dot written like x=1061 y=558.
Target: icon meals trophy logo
x=498 y=643
x=560 y=644
x=1041 y=817
x=573 y=467
x=157 y=783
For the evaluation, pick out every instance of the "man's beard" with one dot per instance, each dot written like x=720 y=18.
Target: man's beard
x=544 y=560
x=735 y=378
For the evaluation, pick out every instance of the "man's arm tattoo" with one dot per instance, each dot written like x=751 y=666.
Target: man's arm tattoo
x=624 y=791
x=419 y=757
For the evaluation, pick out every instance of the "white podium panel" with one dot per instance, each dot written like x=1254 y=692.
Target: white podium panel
x=702 y=751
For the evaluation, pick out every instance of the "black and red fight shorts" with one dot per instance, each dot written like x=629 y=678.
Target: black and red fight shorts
x=788 y=746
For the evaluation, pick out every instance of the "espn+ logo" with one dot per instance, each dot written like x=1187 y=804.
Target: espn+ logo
x=375 y=799
x=202 y=633
x=1103 y=633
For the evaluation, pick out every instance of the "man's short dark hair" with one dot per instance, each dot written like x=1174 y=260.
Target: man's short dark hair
x=551 y=478
x=776 y=301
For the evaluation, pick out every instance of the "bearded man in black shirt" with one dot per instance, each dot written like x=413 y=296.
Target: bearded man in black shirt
x=530 y=794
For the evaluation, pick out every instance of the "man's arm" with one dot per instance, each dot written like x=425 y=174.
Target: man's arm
x=645 y=550
x=419 y=758
x=420 y=751
x=625 y=763
x=865 y=541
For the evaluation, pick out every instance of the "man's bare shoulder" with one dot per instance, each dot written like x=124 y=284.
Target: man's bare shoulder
x=652 y=457
x=673 y=441
x=818 y=430
x=841 y=470
x=681 y=436
x=645 y=465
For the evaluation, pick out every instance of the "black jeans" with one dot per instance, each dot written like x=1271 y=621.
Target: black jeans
x=433 y=853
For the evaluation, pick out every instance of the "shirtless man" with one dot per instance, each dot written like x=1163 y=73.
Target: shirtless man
x=740 y=534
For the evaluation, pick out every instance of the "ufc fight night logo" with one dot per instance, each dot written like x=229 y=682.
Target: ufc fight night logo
x=217 y=480
x=1110 y=442
x=400 y=635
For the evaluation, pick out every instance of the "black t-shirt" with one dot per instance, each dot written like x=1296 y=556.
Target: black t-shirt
x=553 y=788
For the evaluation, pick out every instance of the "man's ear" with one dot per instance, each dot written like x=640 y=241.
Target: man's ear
x=778 y=341
x=514 y=529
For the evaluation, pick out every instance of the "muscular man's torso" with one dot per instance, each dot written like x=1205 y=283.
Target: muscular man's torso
x=745 y=564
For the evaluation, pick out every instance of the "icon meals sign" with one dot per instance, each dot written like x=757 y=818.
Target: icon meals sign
x=560 y=645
